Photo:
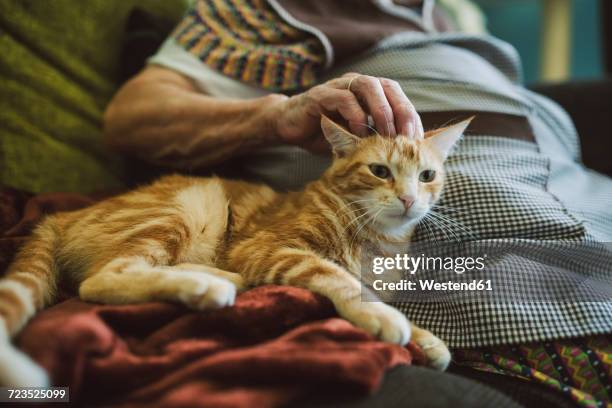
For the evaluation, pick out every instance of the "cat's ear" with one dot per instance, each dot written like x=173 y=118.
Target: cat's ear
x=442 y=140
x=341 y=140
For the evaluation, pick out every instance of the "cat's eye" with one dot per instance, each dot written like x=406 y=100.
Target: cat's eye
x=427 y=176
x=380 y=171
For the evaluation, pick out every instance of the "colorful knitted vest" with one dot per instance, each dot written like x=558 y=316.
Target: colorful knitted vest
x=248 y=41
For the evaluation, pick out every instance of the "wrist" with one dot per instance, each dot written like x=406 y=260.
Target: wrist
x=272 y=107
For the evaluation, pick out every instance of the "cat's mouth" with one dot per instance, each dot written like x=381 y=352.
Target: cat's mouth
x=403 y=215
x=407 y=215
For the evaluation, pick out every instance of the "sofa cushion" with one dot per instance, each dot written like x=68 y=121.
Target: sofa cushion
x=59 y=67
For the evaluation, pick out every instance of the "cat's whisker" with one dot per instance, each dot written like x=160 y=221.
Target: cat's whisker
x=367 y=212
x=356 y=201
x=453 y=208
x=425 y=223
x=454 y=223
x=356 y=220
x=363 y=199
x=439 y=226
x=451 y=224
x=349 y=211
x=354 y=212
x=443 y=208
x=356 y=234
x=437 y=206
x=373 y=129
x=376 y=216
x=435 y=238
x=444 y=226
x=364 y=223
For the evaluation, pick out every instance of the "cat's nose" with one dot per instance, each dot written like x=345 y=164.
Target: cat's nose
x=407 y=201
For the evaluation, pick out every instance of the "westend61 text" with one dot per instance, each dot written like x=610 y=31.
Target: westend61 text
x=432 y=285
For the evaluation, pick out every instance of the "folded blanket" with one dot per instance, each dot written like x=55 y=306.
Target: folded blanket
x=273 y=346
x=276 y=344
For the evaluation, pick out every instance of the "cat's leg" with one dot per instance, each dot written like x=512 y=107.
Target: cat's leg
x=307 y=270
x=438 y=355
x=233 y=277
x=133 y=280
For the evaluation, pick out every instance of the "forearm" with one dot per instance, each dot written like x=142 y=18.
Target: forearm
x=161 y=118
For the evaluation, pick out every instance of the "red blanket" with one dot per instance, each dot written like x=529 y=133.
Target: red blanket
x=275 y=345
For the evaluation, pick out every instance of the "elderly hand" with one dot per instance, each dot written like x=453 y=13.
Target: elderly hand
x=352 y=97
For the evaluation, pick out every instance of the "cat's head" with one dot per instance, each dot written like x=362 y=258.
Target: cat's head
x=393 y=182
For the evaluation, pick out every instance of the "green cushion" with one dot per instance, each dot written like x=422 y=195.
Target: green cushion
x=59 y=67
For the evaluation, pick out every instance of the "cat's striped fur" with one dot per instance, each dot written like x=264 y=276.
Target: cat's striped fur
x=198 y=240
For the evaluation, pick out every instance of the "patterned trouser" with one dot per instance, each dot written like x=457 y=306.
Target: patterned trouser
x=581 y=368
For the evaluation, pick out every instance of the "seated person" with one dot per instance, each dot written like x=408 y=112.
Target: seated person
x=251 y=83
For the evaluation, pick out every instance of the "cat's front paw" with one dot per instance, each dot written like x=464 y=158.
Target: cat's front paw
x=379 y=319
x=438 y=355
x=201 y=291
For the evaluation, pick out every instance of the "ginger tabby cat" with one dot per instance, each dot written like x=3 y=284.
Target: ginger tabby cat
x=198 y=241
